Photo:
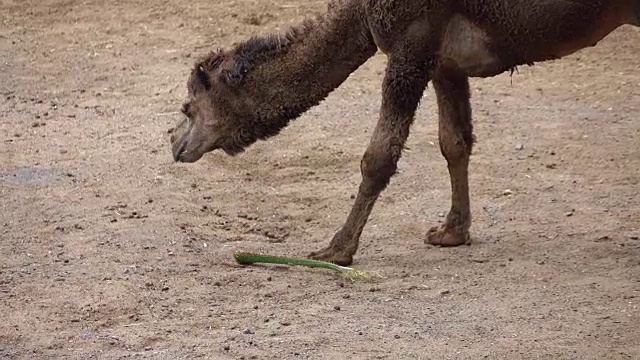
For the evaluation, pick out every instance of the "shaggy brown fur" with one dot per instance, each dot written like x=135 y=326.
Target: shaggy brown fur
x=252 y=91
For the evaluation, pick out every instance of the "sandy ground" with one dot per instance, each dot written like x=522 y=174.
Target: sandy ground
x=110 y=250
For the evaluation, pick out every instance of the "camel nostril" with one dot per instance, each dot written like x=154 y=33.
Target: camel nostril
x=185 y=108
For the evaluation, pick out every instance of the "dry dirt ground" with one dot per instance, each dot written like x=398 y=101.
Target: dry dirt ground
x=110 y=250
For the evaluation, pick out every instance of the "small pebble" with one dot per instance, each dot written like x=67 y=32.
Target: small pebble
x=519 y=146
x=337 y=308
x=249 y=332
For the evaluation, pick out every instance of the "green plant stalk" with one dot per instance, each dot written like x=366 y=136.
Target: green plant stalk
x=246 y=258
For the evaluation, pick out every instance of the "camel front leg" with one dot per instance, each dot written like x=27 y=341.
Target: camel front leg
x=456 y=140
x=402 y=89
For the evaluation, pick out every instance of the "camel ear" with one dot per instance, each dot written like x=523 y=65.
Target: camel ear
x=202 y=81
x=234 y=76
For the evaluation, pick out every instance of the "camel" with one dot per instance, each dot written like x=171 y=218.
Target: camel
x=253 y=90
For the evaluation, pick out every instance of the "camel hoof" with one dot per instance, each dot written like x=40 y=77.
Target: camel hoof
x=332 y=255
x=444 y=236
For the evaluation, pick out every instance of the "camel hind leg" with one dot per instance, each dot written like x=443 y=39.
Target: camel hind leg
x=403 y=85
x=456 y=140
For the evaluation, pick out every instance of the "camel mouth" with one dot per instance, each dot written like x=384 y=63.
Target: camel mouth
x=182 y=148
x=182 y=155
x=179 y=150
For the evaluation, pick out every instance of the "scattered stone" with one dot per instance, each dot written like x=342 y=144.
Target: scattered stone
x=337 y=308
x=226 y=347
x=519 y=147
x=445 y=292
x=249 y=332
x=507 y=192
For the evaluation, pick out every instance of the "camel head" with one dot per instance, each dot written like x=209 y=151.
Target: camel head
x=215 y=114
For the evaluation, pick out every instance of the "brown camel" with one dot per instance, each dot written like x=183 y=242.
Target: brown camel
x=252 y=91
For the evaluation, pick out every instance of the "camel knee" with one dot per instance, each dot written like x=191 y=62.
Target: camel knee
x=455 y=147
x=377 y=168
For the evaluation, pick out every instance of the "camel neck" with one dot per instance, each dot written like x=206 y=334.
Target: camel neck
x=320 y=55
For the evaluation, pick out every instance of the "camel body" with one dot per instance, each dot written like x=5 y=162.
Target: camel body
x=252 y=91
